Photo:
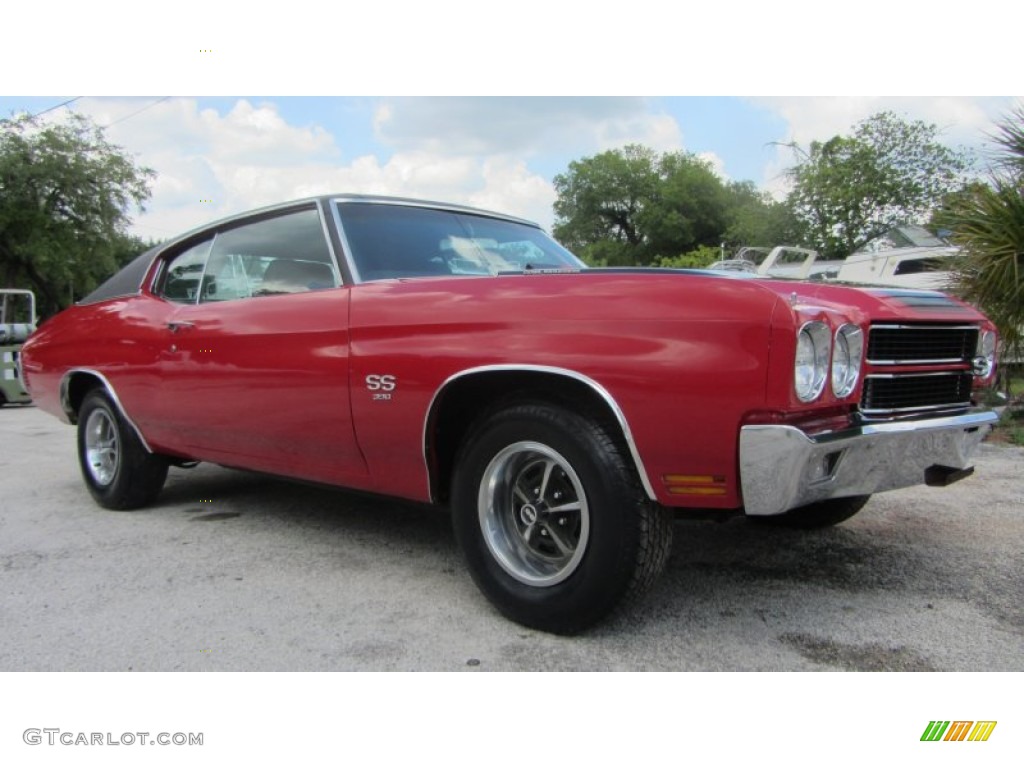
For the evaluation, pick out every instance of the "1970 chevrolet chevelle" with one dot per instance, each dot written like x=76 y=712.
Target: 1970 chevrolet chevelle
x=462 y=357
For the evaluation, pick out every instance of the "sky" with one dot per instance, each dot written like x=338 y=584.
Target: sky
x=215 y=156
x=444 y=102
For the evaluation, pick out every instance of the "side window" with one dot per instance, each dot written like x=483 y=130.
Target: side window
x=284 y=254
x=915 y=266
x=389 y=241
x=184 y=273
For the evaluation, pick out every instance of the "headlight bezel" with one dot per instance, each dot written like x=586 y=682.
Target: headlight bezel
x=812 y=360
x=848 y=342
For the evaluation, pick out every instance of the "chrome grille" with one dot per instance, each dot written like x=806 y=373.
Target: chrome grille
x=921 y=344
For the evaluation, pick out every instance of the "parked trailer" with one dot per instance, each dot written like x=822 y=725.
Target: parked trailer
x=17 y=322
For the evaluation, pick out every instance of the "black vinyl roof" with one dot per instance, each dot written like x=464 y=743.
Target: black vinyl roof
x=127 y=281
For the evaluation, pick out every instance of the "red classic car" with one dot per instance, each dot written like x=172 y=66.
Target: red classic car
x=565 y=414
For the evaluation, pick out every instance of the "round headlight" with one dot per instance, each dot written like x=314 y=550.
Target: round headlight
x=986 y=352
x=810 y=368
x=846 y=357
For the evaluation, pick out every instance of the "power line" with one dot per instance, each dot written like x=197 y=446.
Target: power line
x=137 y=112
x=58 y=106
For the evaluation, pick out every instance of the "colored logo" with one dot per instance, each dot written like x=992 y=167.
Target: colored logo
x=959 y=730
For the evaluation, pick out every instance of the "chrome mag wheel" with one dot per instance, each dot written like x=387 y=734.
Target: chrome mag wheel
x=102 y=450
x=551 y=517
x=118 y=470
x=534 y=514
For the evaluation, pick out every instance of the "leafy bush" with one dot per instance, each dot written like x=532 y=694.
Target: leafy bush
x=700 y=258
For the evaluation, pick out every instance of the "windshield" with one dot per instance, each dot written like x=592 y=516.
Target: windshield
x=389 y=241
x=903 y=237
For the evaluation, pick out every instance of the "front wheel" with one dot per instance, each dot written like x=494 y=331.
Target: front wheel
x=553 y=524
x=118 y=470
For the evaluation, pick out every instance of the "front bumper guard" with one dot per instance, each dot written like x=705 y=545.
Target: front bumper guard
x=782 y=468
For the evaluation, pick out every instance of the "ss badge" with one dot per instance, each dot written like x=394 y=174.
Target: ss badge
x=380 y=385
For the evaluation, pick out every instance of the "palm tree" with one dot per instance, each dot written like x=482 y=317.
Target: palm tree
x=988 y=222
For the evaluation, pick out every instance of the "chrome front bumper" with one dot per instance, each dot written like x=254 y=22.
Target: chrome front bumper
x=781 y=468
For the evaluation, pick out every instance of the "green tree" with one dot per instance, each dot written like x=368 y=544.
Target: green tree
x=632 y=206
x=599 y=202
x=689 y=209
x=756 y=218
x=65 y=196
x=988 y=222
x=850 y=189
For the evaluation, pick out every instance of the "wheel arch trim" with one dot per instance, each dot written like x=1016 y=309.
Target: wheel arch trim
x=593 y=385
x=72 y=416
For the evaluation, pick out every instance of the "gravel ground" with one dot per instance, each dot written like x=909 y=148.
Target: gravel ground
x=231 y=571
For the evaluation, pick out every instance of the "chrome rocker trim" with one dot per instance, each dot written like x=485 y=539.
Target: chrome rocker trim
x=782 y=468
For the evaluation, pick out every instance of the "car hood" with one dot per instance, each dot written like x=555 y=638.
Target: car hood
x=878 y=303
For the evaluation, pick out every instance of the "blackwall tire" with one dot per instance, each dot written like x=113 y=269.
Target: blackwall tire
x=821 y=514
x=554 y=526
x=118 y=471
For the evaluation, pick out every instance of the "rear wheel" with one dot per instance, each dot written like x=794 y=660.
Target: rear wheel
x=118 y=470
x=553 y=524
x=820 y=514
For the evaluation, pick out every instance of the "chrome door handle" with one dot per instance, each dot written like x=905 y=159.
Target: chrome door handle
x=180 y=325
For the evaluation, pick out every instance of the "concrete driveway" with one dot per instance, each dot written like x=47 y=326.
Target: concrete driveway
x=231 y=571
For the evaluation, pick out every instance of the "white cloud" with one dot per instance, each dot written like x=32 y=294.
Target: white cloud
x=963 y=120
x=717 y=164
x=522 y=125
x=209 y=164
x=147 y=127
x=511 y=188
x=247 y=131
x=212 y=164
x=659 y=132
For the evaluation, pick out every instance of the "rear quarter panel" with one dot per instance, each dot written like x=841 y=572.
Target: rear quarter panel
x=114 y=337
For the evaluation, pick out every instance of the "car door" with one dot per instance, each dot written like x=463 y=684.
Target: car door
x=254 y=370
